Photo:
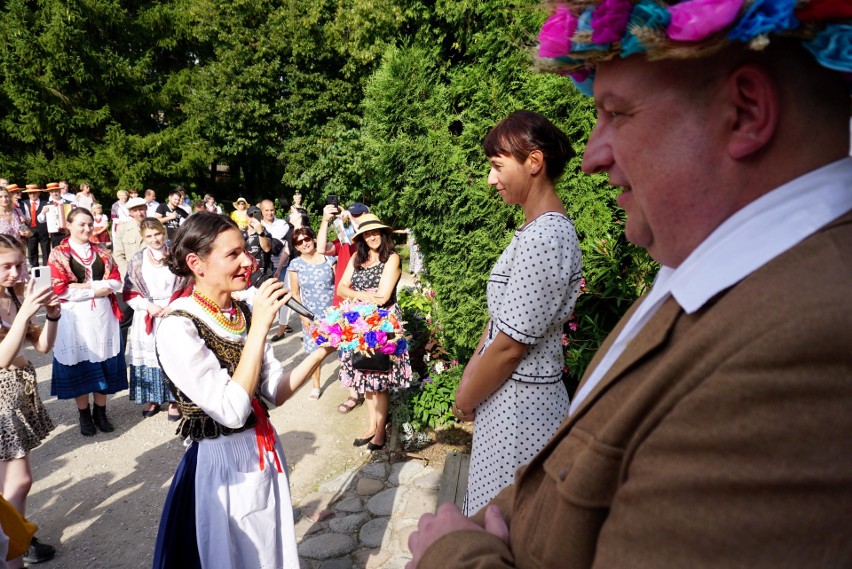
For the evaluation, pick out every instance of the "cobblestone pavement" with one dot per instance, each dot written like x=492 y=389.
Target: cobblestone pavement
x=362 y=518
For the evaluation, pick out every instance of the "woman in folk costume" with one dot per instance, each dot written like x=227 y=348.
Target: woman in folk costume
x=88 y=357
x=229 y=503
x=148 y=288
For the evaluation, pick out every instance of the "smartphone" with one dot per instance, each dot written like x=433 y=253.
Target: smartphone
x=41 y=276
x=332 y=200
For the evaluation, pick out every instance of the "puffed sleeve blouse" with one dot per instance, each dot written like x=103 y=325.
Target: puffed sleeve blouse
x=196 y=371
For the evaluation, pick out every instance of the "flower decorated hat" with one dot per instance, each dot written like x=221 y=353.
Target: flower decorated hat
x=580 y=34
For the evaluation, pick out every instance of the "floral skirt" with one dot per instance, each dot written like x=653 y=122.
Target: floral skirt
x=398 y=377
x=24 y=422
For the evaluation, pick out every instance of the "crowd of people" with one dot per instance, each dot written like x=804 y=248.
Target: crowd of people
x=710 y=429
x=215 y=285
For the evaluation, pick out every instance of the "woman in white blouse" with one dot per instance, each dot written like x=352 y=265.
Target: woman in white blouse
x=88 y=357
x=229 y=503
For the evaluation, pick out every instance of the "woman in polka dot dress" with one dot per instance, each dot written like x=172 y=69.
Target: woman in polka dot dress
x=516 y=393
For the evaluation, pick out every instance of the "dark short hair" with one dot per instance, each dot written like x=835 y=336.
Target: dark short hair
x=304 y=232
x=176 y=191
x=524 y=131
x=197 y=235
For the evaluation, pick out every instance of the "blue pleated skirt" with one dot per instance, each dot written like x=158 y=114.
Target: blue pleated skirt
x=107 y=377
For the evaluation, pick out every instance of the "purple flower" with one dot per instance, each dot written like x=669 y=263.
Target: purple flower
x=389 y=348
x=764 y=17
x=609 y=20
x=696 y=20
x=555 y=36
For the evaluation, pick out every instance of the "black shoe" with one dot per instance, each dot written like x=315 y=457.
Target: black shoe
x=100 y=419
x=39 y=552
x=87 y=426
x=372 y=447
x=362 y=442
x=151 y=412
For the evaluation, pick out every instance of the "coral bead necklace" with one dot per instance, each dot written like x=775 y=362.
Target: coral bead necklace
x=235 y=326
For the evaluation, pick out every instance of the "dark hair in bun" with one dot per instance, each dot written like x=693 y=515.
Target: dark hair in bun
x=196 y=235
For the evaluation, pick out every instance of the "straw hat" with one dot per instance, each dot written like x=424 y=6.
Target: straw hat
x=369 y=222
x=12 y=187
x=52 y=187
x=243 y=200
x=32 y=188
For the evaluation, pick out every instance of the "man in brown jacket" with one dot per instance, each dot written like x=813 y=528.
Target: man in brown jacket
x=714 y=426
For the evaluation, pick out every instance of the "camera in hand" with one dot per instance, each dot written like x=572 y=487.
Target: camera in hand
x=332 y=200
x=253 y=211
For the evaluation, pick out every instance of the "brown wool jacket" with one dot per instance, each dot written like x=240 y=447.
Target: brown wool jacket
x=720 y=439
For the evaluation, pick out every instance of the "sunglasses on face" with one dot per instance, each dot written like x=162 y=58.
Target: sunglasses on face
x=301 y=242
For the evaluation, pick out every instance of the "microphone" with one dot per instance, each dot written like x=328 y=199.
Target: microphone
x=299 y=308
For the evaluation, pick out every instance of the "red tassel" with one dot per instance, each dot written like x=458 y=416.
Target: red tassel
x=264 y=434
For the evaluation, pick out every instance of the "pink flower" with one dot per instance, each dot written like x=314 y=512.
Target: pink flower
x=609 y=20
x=696 y=20
x=582 y=283
x=387 y=348
x=564 y=340
x=555 y=36
x=573 y=325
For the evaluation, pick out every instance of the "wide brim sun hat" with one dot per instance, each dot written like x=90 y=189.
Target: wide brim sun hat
x=32 y=188
x=369 y=222
x=581 y=34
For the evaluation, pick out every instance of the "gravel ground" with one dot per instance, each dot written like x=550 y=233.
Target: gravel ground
x=98 y=499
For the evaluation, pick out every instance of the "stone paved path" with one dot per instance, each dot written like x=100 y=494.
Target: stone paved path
x=362 y=518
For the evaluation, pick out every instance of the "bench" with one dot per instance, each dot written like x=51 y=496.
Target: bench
x=454 y=478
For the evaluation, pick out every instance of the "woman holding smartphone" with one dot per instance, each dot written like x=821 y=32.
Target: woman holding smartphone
x=24 y=419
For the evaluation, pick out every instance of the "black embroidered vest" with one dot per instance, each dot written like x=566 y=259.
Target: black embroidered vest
x=195 y=423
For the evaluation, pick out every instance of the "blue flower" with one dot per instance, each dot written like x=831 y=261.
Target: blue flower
x=400 y=347
x=765 y=17
x=587 y=86
x=832 y=47
x=383 y=313
x=646 y=14
x=321 y=340
x=352 y=317
x=584 y=24
x=370 y=339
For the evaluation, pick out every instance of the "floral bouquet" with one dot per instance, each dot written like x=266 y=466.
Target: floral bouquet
x=360 y=327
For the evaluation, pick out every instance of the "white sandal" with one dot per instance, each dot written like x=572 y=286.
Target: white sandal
x=315 y=393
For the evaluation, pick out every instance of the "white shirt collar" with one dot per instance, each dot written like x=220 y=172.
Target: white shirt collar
x=758 y=233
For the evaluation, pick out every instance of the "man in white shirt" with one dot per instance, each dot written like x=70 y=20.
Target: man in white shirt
x=54 y=214
x=712 y=427
x=151 y=202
